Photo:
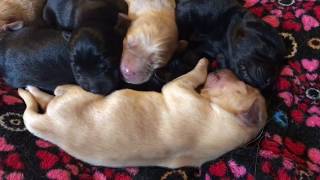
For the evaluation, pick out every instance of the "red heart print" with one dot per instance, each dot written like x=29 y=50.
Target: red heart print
x=47 y=159
x=4 y=146
x=58 y=174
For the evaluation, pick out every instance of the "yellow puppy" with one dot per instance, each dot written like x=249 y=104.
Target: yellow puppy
x=178 y=127
x=16 y=13
x=151 y=39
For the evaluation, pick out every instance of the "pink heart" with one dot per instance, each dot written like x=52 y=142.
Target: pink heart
x=313 y=167
x=15 y=176
x=1 y=174
x=4 y=146
x=58 y=174
x=287 y=72
x=299 y=12
x=132 y=171
x=276 y=12
x=99 y=176
x=277 y=139
x=309 y=22
x=207 y=177
x=250 y=3
x=313 y=121
x=238 y=171
x=73 y=168
x=287 y=98
x=314 y=109
x=312 y=77
x=11 y=100
x=314 y=155
x=272 y=20
x=43 y=144
x=287 y=164
x=310 y=65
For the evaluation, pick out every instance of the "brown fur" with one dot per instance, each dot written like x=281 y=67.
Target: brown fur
x=178 y=127
x=24 y=11
x=151 y=39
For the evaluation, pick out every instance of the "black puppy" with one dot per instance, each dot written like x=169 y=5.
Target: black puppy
x=72 y=14
x=98 y=29
x=95 y=52
x=41 y=57
x=225 y=31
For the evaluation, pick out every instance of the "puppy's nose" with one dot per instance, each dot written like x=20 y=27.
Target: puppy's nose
x=127 y=72
x=225 y=72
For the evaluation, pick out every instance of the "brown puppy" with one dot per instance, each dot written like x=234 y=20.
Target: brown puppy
x=14 y=14
x=151 y=39
x=178 y=127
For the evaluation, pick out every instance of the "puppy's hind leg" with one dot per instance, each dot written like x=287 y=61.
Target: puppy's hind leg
x=42 y=98
x=195 y=77
x=36 y=123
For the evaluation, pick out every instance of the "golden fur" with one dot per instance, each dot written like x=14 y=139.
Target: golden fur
x=178 y=127
x=25 y=11
x=151 y=39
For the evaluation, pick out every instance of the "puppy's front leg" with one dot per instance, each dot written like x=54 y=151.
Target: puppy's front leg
x=194 y=78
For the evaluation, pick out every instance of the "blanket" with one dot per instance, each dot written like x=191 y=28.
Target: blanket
x=288 y=147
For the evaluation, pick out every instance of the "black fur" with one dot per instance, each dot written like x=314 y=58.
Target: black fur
x=240 y=41
x=95 y=54
x=41 y=57
x=96 y=41
x=37 y=57
x=72 y=14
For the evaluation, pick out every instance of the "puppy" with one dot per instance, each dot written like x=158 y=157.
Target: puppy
x=72 y=14
x=225 y=31
x=96 y=40
x=41 y=57
x=95 y=54
x=175 y=128
x=151 y=39
x=14 y=14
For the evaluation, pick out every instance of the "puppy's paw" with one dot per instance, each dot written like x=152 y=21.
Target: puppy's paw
x=202 y=64
x=32 y=89
x=14 y=26
x=61 y=90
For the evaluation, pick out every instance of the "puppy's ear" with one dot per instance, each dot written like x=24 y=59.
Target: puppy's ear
x=123 y=23
x=14 y=26
x=251 y=117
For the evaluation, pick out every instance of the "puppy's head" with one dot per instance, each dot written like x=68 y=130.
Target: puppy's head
x=228 y=92
x=256 y=51
x=11 y=16
x=94 y=64
x=147 y=47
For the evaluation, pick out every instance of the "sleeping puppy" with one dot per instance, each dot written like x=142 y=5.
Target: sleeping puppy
x=14 y=14
x=40 y=57
x=96 y=40
x=95 y=53
x=72 y=14
x=225 y=31
x=151 y=39
x=175 y=128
